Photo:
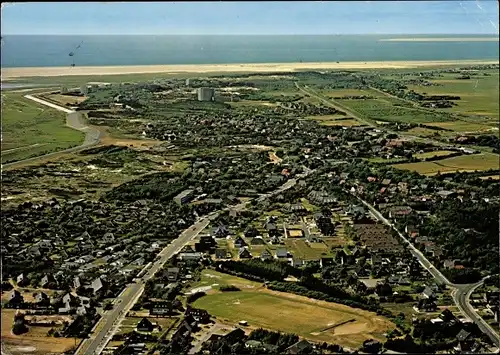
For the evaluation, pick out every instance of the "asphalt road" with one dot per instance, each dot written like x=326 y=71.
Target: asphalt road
x=460 y=293
x=73 y=120
x=112 y=318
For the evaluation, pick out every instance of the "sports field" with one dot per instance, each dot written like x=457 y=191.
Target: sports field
x=291 y=313
x=464 y=126
x=464 y=163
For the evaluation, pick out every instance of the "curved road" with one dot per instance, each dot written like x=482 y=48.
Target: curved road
x=460 y=293
x=73 y=120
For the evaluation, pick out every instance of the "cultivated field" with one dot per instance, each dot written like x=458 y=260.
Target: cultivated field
x=34 y=341
x=335 y=120
x=464 y=126
x=384 y=110
x=464 y=163
x=286 y=312
x=479 y=94
x=31 y=129
x=437 y=153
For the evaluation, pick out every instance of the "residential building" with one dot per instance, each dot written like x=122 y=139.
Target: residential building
x=184 y=197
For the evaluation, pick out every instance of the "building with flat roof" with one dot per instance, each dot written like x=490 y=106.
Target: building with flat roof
x=184 y=197
x=206 y=94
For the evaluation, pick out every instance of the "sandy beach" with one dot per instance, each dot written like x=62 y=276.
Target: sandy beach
x=15 y=73
x=442 y=39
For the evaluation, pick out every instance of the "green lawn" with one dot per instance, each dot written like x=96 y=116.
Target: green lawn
x=437 y=153
x=479 y=94
x=464 y=126
x=295 y=314
x=300 y=249
x=384 y=110
x=31 y=129
x=466 y=163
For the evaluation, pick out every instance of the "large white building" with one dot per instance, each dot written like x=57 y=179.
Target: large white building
x=206 y=94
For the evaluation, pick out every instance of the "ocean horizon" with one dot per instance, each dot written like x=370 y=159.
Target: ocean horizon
x=119 y=50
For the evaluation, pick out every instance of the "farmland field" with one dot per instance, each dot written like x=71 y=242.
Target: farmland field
x=463 y=126
x=30 y=129
x=303 y=316
x=464 y=163
x=347 y=92
x=436 y=153
x=479 y=94
x=34 y=341
x=335 y=120
x=383 y=110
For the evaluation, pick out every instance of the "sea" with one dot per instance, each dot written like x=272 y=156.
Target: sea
x=106 y=50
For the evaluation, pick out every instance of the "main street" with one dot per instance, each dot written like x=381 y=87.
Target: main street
x=111 y=320
x=460 y=292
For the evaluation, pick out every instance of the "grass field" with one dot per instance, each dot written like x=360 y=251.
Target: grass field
x=383 y=110
x=479 y=94
x=64 y=99
x=348 y=92
x=30 y=129
x=300 y=249
x=437 y=153
x=34 y=341
x=464 y=163
x=286 y=312
x=380 y=160
x=426 y=132
x=335 y=120
x=463 y=126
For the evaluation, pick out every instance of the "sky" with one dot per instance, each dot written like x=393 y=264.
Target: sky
x=259 y=18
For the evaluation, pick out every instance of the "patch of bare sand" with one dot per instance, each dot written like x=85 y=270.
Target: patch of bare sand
x=11 y=73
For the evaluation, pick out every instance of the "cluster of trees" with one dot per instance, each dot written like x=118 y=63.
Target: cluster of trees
x=270 y=270
x=229 y=288
x=281 y=340
x=485 y=140
x=19 y=327
x=469 y=232
x=161 y=186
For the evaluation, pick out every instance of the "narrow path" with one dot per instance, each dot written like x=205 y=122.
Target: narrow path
x=74 y=120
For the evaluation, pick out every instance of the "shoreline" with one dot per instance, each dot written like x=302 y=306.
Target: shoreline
x=25 y=72
x=441 y=39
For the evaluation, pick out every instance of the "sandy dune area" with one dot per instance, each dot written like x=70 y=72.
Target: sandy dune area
x=13 y=73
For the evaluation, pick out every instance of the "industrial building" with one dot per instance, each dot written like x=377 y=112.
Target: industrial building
x=184 y=197
x=206 y=94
